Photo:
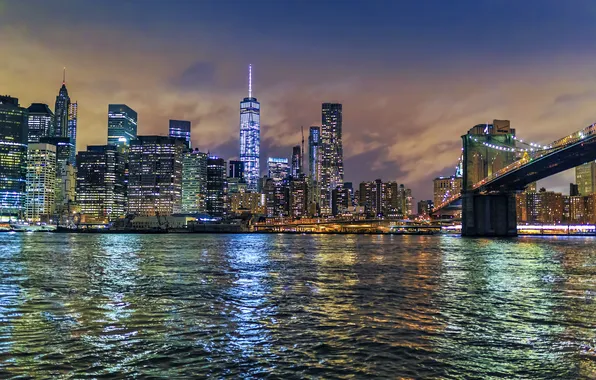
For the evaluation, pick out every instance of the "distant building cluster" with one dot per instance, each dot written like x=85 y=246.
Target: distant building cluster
x=45 y=180
x=549 y=207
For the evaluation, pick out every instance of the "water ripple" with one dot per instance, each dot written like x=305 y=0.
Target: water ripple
x=289 y=306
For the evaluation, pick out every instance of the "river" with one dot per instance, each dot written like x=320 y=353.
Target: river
x=292 y=306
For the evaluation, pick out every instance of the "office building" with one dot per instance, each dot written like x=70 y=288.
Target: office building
x=250 y=136
x=296 y=161
x=332 y=167
x=155 y=176
x=585 y=178
x=122 y=125
x=216 y=187
x=445 y=187
x=61 y=110
x=425 y=207
x=41 y=182
x=298 y=197
x=181 y=129
x=73 y=110
x=340 y=200
x=194 y=182
x=236 y=169
x=277 y=197
x=13 y=158
x=278 y=169
x=101 y=184
x=40 y=122
x=314 y=168
x=65 y=173
x=244 y=202
x=404 y=201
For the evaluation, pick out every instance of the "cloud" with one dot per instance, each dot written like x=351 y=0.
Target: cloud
x=397 y=126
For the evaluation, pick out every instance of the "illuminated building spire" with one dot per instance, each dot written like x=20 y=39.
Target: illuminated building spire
x=250 y=81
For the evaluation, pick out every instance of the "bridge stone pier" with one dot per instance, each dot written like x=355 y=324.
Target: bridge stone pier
x=489 y=214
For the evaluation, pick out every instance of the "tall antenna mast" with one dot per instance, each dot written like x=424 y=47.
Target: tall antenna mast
x=64 y=75
x=250 y=81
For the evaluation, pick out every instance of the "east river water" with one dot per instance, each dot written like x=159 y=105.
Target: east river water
x=296 y=306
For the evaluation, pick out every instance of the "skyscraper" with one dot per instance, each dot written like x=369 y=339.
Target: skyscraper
x=73 y=110
x=101 y=186
x=41 y=182
x=61 y=110
x=13 y=158
x=65 y=172
x=40 y=122
x=314 y=166
x=155 y=176
x=216 y=187
x=181 y=129
x=332 y=166
x=296 y=161
x=585 y=177
x=122 y=124
x=250 y=136
x=278 y=168
x=194 y=182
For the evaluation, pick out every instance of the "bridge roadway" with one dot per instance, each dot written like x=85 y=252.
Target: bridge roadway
x=563 y=154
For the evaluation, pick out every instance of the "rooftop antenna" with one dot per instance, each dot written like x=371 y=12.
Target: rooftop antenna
x=64 y=75
x=250 y=81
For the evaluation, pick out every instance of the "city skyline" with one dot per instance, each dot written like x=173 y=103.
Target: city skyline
x=388 y=132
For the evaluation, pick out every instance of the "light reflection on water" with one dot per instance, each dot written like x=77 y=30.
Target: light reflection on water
x=289 y=305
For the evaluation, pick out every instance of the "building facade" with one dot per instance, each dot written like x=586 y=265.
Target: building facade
x=73 y=111
x=314 y=168
x=181 y=129
x=296 y=161
x=155 y=176
x=122 y=125
x=250 y=136
x=194 y=182
x=13 y=158
x=445 y=187
x=40 y=122
x=101 y=184
x=41 y=182
x=585 y=178
x=216 y=187
x=332 y=167
x=61 y=110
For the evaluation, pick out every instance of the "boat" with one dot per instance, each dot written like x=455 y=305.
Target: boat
x=31 y=227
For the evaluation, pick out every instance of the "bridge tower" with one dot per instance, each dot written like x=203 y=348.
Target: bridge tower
x=494 y=213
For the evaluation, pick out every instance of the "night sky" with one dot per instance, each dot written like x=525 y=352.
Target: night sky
x=413 y=76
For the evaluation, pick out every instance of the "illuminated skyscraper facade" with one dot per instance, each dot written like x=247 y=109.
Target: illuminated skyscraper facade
x=181 y=129
x=101 y=186
x=41 y=182
x=314 y=165
x=332 y=165
x=585 y=177
x=40 y=122
x=13 y=158
x=61 y=110
x=194 y=182
x=122 y=125
x=296 y=161
x=155 y=176
x=73 y=110
x=250 y=136
x=278 y=168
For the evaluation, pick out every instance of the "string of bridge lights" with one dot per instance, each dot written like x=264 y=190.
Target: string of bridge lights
x=533 y=146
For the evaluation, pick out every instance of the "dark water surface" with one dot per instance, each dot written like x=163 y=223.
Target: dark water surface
x=291 y=306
